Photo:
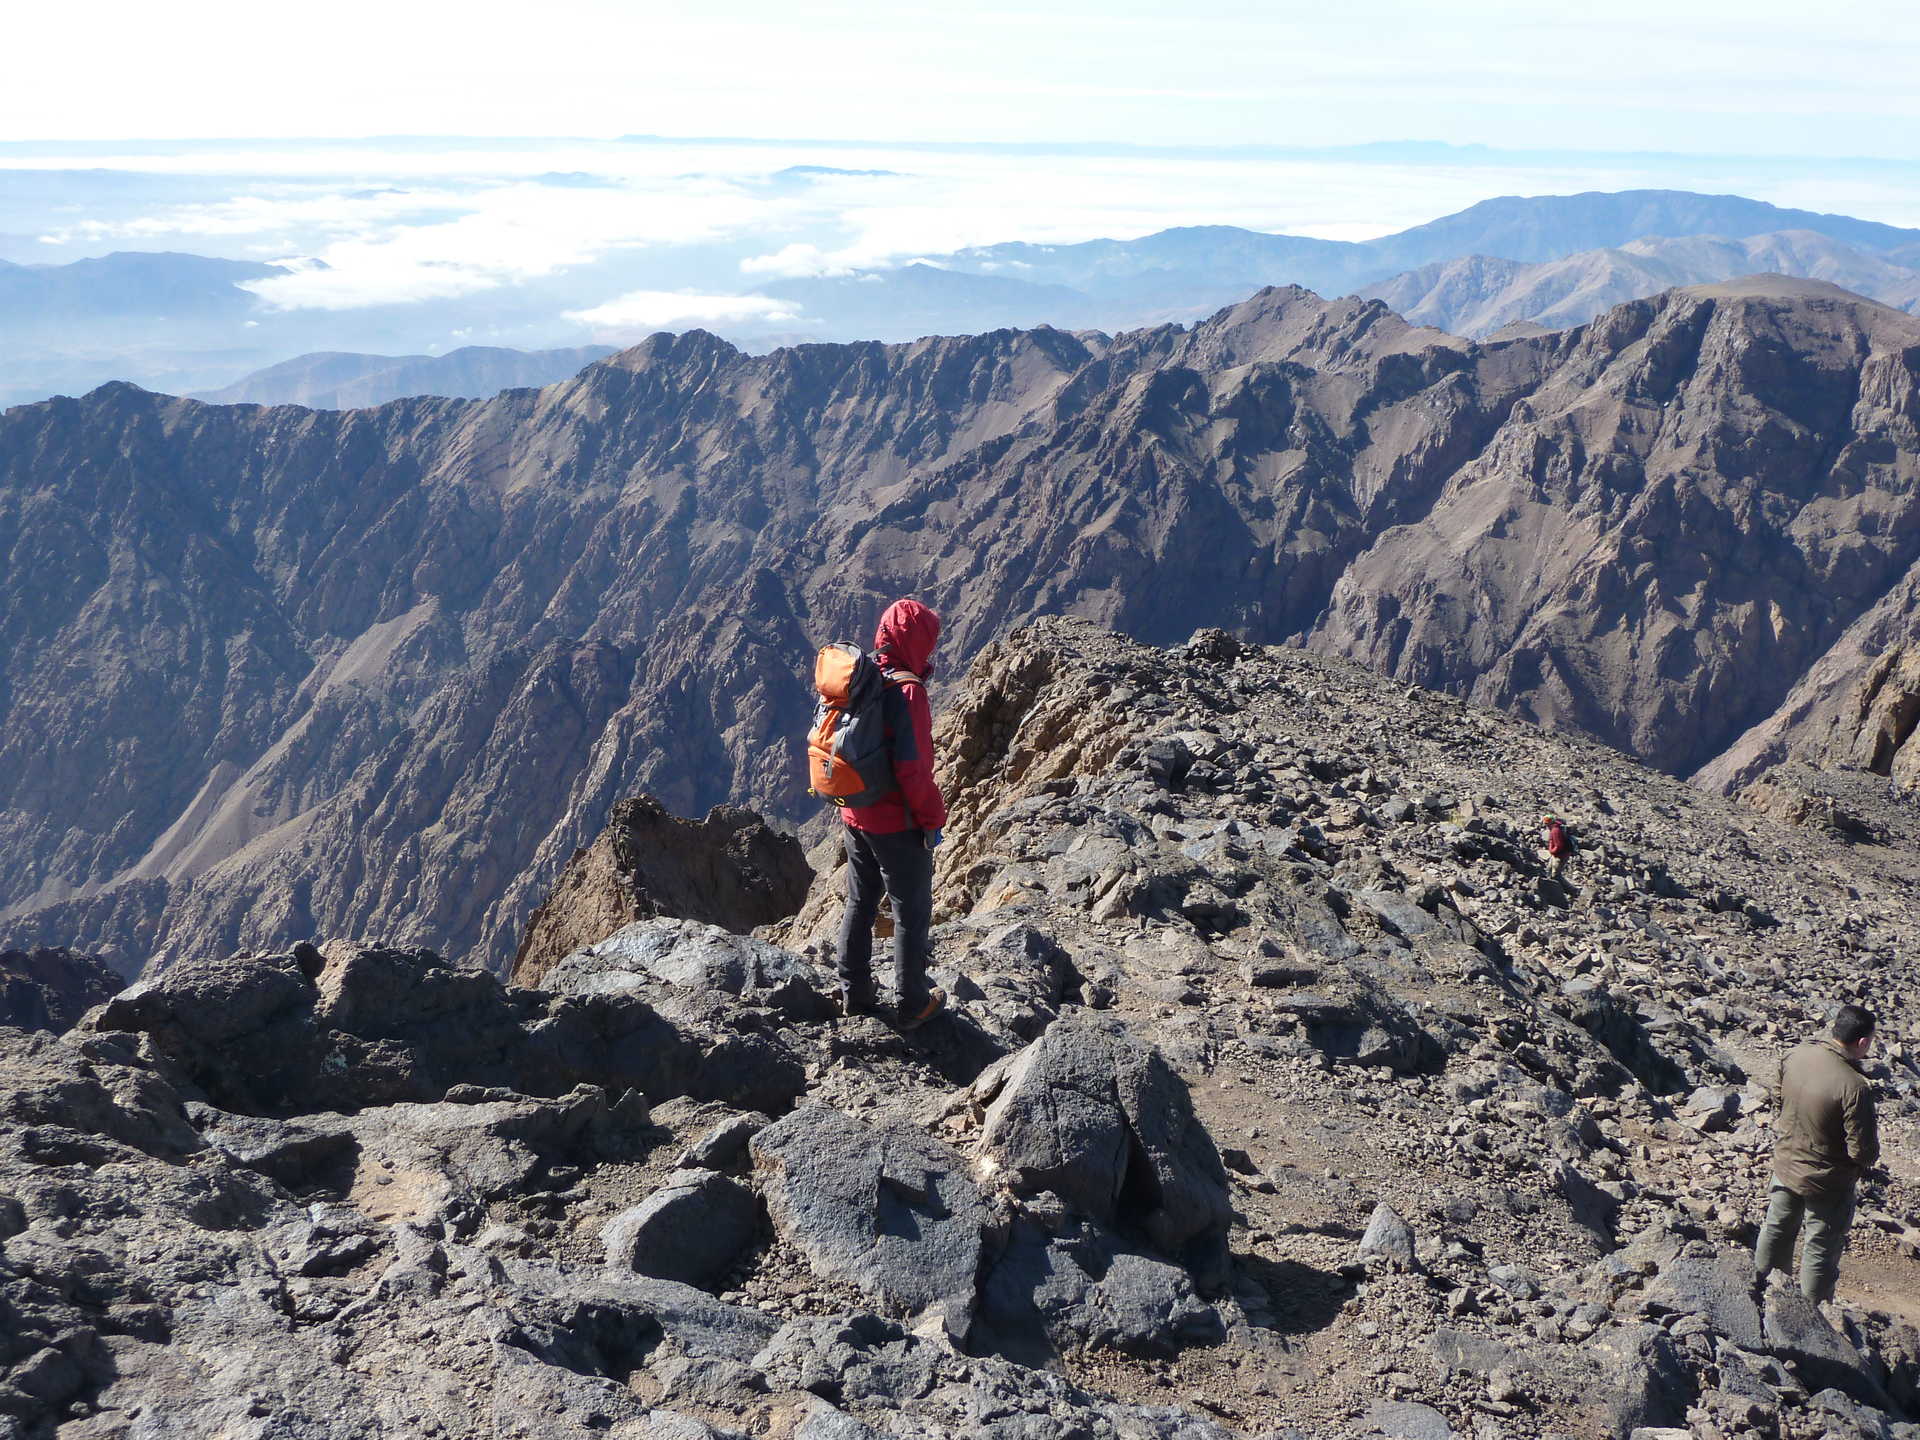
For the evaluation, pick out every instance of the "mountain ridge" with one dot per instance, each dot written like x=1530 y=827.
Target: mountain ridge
x=451 y=634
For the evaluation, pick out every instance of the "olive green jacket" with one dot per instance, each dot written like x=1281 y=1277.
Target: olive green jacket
x=1827 y=1135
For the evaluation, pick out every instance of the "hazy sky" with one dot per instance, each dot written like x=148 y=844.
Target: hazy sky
x=1708 y=76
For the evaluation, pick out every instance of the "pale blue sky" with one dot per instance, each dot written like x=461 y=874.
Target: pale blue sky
x=1710 y=76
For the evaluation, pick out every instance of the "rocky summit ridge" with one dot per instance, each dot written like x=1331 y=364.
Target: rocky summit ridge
x=1284 y=1094
x=381 y=673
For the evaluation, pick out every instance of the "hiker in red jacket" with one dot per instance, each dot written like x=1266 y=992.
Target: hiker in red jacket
x=1559 y=845
x=890 y=843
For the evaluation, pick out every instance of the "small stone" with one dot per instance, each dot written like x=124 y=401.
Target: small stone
x=1388 y=1236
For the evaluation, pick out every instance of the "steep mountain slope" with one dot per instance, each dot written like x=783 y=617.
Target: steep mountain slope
x=1478 y=295
x=1633 y=558
x=1284 y=1094
x=384 y=671
x=332 y=380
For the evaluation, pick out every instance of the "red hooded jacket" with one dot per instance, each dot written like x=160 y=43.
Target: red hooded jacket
x=903 y=642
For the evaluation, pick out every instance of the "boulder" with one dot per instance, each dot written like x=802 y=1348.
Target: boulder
x=1091 y=1114
x=723 y=1144
x=691 y=1230
x=1797 y=1332
x=1023 y=975
x=1717 y=1286
x=883 y=1208
x=1054 y=1294
x=1359 y=1024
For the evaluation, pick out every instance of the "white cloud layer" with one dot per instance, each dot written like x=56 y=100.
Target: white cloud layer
x=645 y=311
x=799 y=261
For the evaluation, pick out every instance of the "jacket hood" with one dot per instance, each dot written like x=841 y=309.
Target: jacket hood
x=905 y=637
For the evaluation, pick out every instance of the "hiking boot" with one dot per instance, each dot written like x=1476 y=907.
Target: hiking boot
x=853 y=1002
x=936 y=1002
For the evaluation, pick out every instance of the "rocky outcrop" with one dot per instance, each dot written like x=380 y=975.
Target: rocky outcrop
x=1275 y=1057
x=553 y=600
x=50 y=989
x=732 y=870
x=345 y=1026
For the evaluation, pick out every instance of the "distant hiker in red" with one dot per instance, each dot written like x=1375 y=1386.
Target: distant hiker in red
x=1554 y=836
x=890 y=841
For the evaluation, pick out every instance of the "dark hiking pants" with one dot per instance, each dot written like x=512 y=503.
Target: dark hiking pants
x=899 y=865
x=1826 y=1222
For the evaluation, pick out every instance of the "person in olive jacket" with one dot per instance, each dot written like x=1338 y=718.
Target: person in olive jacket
x=1827 y=1139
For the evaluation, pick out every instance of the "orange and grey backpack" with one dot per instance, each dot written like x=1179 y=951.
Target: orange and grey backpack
x=849 y=752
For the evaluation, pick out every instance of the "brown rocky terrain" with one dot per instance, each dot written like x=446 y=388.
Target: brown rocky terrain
x=1285 y=1094
x=731 y=870
x=381 y=673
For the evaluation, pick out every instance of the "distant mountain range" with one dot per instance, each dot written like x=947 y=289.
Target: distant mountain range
x=1212 y=265
x=333 y=380
x=1479 y=294
x=189 y=324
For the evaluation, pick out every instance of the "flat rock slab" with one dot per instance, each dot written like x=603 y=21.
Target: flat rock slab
x=676 y=952
x=884 y=1208
x=1409 y=1421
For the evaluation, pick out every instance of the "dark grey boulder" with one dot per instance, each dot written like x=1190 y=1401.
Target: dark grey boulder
x=1048 y=1295
x=851 y=1358
x=692 y=1230
x=823 y=1422
x=1023 y=975
x=296 y=1155
x=1358 y=1023
x=1823 y=1358
x=1099 y=1119
x=1639 y=1379
x=883 y=1208
x=1715 y=1286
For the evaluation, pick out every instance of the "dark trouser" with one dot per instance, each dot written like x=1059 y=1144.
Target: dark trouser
x=900 y=865
x=1827 y=1223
